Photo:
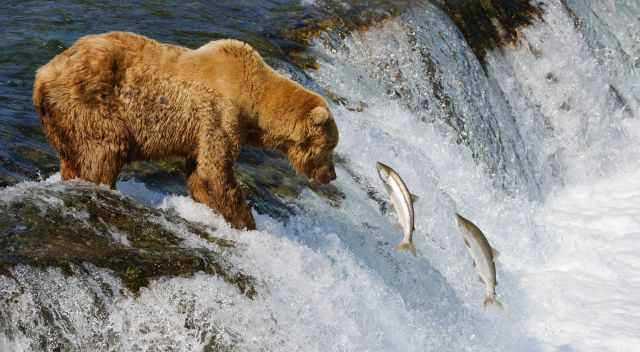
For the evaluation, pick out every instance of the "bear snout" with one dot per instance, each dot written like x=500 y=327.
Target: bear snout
x=324 y=175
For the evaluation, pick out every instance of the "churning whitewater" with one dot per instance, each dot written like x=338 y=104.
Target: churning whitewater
x=550 y=175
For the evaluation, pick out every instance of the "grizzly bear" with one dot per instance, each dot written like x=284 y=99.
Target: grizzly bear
x=118 y=97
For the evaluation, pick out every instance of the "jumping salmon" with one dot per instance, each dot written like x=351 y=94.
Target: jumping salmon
x=402 y=203
x=483 y=257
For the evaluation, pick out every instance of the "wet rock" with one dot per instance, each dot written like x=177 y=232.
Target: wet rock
x=551 y=77
x=485 y=24
x=55 y=46
x=490 y=24
x=216 y=344
x=269 y=182
x=340 y=19
x=565 y=106
x=273 y=184
x=70 y=225
x=11 y=172
x=35 y=162
x=165 y=176
x=619 y=101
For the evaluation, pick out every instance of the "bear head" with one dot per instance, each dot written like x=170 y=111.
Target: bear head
x=310 y=150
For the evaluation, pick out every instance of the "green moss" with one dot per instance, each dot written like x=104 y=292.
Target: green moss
x=87 y=228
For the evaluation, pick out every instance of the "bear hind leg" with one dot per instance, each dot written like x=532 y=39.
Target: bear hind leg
x=67 y=170
x=101 y=163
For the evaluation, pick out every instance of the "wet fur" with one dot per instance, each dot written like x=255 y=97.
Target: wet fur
x=118 y=97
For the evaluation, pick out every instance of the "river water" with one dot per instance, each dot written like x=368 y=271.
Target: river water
x=537 y=143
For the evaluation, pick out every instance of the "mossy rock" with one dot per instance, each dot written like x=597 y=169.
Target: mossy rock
x=69 y=224
x=490 y=24
x=340 y=19
x=485 y=24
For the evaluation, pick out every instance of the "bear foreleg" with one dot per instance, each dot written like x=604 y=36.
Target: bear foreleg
x=211 y=181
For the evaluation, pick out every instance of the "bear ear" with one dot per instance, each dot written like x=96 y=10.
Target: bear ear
x=319 y=115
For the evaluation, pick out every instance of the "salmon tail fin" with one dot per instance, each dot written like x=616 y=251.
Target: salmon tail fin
x=492 y=300
x=406 y=246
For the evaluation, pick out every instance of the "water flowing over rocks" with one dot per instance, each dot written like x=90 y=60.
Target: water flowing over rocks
x=56 y=237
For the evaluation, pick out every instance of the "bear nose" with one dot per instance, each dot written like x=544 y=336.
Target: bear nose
x=332 y=174
x=324 y=175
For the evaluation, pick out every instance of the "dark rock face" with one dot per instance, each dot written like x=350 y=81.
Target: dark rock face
x=490 y=24
x=70 y=225
x=485 y=24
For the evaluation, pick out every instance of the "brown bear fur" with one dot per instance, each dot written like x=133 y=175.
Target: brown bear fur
x=118 y=97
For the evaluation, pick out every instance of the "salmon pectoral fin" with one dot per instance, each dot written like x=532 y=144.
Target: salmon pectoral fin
x=414 y=198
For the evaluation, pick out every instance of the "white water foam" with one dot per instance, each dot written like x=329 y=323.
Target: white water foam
x=585 y=294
